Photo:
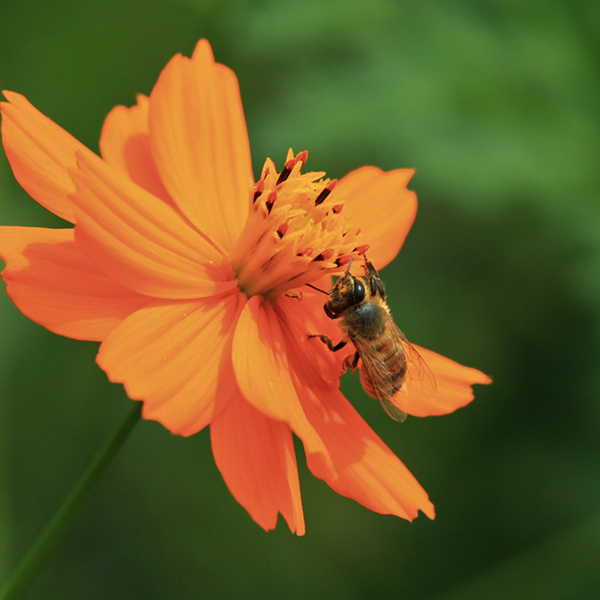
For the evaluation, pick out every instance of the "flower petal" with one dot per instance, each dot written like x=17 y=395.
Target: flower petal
x=200 y=144
x=125 y=144
x=263 y=372
x=53 y=284
x=300 y=318
x=357 y=464
x=140 y=241
x=40 y=154
x=257 y=460
x=454 y=389
x=176 y=357
x=363 y=467
x=381 y=205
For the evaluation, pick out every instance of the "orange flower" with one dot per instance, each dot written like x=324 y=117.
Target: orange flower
x=189 y=273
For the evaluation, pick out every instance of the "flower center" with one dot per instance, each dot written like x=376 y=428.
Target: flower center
x=295 y=232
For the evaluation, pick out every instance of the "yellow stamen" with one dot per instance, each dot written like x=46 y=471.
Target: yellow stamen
x=295 y=232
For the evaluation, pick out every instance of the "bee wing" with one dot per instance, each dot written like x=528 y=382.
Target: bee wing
x=417 y=368
x=378 y=379
x=393 y=411
x=389 y=365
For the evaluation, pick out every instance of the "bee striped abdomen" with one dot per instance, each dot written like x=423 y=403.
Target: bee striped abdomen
x=384 y=376
x=396 y=363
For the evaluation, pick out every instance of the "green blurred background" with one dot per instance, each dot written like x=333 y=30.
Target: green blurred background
x=496 y=104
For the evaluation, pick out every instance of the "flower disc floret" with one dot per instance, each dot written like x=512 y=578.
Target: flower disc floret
x=296 y=231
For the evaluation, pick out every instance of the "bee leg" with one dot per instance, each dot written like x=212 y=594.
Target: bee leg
x=351 y=362
x=327 y=341
x=374 y=280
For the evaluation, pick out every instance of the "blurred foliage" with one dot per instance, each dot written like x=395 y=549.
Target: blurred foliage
x=496 y=104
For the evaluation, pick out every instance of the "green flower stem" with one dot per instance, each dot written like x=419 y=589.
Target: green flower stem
x=33 y=560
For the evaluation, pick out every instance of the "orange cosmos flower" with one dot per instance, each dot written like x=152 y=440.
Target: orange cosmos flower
x=189 y=274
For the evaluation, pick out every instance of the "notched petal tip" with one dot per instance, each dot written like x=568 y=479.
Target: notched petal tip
x=40 y=153
x=200 y=143
x=382 y=205
x=454 y=387
x=361 y=467
x=125 y=144
x=203 y=51
x=54 y=284
x=257 y=460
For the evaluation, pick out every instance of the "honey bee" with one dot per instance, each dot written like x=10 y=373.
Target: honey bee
x=388 y=358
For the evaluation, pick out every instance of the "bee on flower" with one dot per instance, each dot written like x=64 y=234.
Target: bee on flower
x=388 y=358
x=192 y=276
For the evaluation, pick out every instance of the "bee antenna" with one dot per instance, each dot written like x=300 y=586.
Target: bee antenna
x=314 y=287
x=348 y=268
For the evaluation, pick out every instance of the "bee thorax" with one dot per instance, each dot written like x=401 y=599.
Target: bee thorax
x=367 y=321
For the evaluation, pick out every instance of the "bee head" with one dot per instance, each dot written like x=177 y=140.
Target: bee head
x=348 y=291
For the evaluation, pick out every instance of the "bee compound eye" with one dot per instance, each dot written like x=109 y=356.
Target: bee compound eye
x=359 y=291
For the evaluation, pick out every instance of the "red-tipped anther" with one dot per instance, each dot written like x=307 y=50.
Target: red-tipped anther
x=362 y=249
x=303 y=156
x=271 y=200
x=337 y=209
x=282 y=229
x=343 y=260
x=325 y=255
x=325 y=192
x=290 y=164
x=259 y=188
x=305 y=252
